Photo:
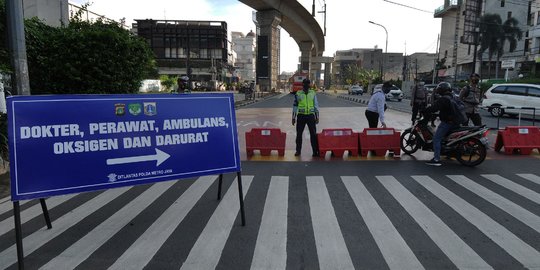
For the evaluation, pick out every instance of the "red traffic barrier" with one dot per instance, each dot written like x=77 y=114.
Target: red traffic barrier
x=338 y=141
x=520 y=140
x=379 y=140
x=265 y=140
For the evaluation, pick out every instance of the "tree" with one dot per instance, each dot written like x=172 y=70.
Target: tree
x=490 y=33
x=84 y=57
x=511 y=33
x=5 y=66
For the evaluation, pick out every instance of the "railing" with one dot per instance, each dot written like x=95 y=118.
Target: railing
x=533 y=109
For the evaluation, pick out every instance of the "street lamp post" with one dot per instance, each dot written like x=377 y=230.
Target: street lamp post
x=385 y=48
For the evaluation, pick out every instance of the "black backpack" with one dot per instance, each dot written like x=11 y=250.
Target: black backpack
x=458 y=110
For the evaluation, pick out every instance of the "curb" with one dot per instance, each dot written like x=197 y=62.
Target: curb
x=249 y=102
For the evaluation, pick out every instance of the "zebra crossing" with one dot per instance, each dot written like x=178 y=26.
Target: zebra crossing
x=485 y=221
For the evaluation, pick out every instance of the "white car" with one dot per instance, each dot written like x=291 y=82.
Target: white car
x=392 y=92
x=356 y=90
x=510 y=98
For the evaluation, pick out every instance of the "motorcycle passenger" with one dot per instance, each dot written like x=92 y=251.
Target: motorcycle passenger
x=444 y=107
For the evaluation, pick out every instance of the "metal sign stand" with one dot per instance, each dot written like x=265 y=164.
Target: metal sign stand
x=18 y=228
x=240 y=194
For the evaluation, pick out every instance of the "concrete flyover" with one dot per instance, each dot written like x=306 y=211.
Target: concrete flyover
x=300 y=24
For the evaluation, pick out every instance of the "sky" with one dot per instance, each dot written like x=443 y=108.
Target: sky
x=410 y=23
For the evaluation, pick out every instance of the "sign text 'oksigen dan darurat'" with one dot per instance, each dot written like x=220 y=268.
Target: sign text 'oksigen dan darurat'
x=69 y=144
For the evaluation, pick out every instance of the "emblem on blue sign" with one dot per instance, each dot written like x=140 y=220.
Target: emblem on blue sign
x=150 y=108
x=135 y=108
x=120 y=109
x=112 y=177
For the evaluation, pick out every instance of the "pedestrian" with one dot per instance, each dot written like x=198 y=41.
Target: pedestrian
x=444 y=106
x=375 y=109
x=418 y=99
x=306 y=112
x=471 y=95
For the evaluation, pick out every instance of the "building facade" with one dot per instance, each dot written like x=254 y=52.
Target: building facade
x=374 y=59
x=245 y=47
x=533 y=40
x=460 y=32
x=198 y=49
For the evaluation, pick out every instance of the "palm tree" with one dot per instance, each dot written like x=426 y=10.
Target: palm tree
x=490 y=34
x=511 y=33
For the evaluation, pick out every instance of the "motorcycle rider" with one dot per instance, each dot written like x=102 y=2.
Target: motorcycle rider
x=444 y=107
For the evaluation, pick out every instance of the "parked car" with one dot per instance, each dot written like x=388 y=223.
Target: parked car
x=356 y=90
x=391 y=92
x=517 y=95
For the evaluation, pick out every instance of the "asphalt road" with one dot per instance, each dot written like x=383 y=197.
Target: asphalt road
x=301 y=213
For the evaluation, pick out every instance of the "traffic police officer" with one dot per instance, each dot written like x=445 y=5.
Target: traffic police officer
x=306 y=111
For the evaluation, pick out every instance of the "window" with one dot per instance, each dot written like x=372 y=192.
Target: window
x=502 y=3
x=498 y=90
x=537 y=18
x=534 y=92
x=509 y=15
x=516 y=90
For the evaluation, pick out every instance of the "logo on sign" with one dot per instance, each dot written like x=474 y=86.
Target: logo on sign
x=112 y=177
x=135 y=108
x=150 y=108
x=119 y=109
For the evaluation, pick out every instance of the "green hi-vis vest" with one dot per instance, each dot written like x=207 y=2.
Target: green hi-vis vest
x=306 y=103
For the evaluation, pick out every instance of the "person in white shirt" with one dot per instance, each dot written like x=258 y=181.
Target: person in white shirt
x=375 y=109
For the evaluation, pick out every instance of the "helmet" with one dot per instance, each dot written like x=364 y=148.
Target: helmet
x=443 y=88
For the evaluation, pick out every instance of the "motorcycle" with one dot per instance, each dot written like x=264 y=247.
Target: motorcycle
x=467 y=144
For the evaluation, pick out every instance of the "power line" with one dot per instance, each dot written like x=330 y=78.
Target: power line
x=403 y=5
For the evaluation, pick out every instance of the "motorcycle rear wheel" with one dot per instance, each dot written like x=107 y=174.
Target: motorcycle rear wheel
x=471 y=152
x=409 y=142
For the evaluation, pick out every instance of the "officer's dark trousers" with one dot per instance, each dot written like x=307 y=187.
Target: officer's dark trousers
x=301 y=121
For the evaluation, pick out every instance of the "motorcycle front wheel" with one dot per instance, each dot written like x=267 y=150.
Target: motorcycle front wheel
x=471 y=152
x=409 y=142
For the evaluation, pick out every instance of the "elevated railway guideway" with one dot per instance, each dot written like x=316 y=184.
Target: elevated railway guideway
x=301 y=26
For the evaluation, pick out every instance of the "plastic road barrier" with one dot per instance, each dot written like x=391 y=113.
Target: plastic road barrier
x=379 y=140
x=518 y=139
x=338 y=141
x=265 y=140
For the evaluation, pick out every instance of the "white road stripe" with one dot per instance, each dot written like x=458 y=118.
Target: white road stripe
x=4 y=200
x=34 y=241
x=519 y=189
x=394 y=249
x=506 y=205
x=271 y=247
x=463 y=256
x=8 y=205
x=82 y=249
x=518 y=249
x=331 y=248
x=206 y=252
x=8 y=224
x=531 y=177
x=146 y=246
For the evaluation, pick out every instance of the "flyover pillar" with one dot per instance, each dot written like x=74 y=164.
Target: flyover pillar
x=306 y=48
x=268 y=49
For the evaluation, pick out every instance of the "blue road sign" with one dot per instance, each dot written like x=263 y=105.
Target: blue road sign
x=74 y=143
